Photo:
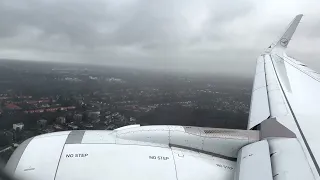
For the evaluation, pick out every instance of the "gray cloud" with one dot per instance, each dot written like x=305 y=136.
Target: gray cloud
x=210 y=36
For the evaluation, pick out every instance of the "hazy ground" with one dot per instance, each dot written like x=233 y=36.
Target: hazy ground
x=209 y=93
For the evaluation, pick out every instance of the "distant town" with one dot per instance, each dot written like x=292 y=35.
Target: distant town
x=38 y=98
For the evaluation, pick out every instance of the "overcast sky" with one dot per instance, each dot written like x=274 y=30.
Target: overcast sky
x=187 y=35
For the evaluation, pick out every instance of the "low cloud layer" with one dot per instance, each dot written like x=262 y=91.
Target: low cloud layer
x=185 y=35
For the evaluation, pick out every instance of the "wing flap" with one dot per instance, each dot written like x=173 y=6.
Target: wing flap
x=248 y=158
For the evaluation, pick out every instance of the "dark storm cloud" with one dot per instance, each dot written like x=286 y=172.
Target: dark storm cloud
x=146 y=22
x=209 y=35
x=75 y=20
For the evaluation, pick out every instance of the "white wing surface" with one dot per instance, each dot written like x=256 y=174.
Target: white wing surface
x=285 y=99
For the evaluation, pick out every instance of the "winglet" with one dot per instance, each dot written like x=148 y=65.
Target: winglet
x=283 y=42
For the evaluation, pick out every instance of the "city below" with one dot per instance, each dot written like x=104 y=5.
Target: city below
x=38 y=98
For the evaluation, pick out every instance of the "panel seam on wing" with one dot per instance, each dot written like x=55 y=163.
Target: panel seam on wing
x=55 y=174
x=174 y=162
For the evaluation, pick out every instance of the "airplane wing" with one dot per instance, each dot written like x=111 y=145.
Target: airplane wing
x=285 y=103
x=147 y=152
x=280 y=143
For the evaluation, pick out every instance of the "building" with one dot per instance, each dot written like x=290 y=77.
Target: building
x=42 y=123
x=132 y=119
x=12 y=106
x=96 y=120
x=18 y=126
x=77 y=117
x=61 y=120
x=17 y=131
x=93 y=114
x=58 y=127
x=72 y=127
x=87 y=126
